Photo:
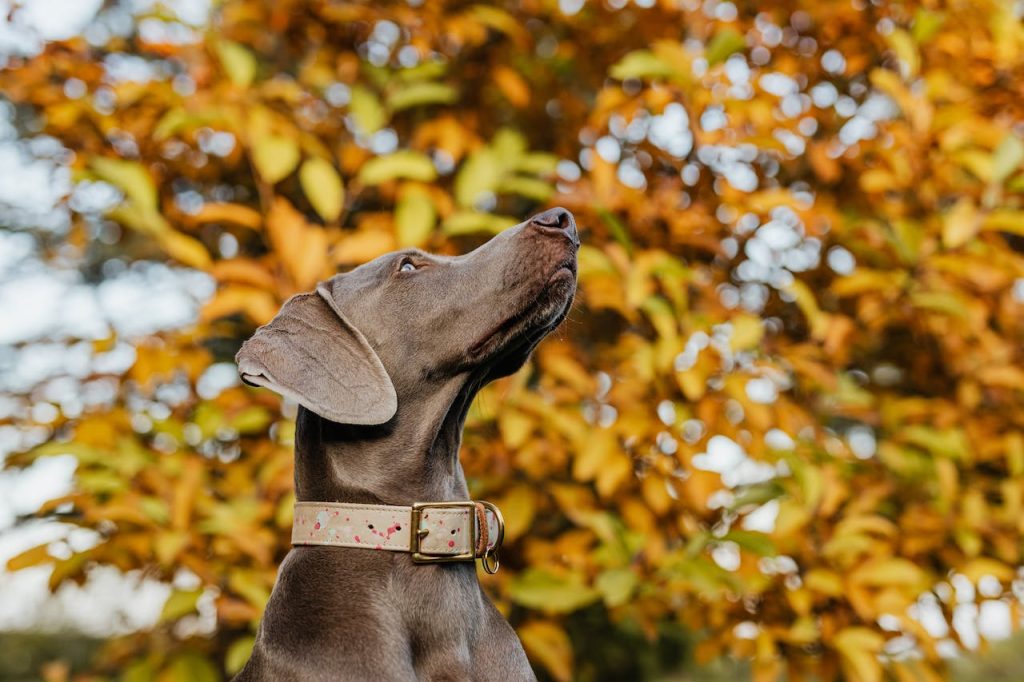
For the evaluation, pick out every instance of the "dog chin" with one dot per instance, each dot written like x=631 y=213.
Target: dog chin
x=547 y=312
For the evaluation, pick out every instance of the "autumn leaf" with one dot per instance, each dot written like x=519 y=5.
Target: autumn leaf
x=322 y=186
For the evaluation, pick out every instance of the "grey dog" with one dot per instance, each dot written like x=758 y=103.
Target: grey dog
x=384 y=362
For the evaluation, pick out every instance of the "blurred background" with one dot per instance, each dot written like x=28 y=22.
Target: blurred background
x=780 y=436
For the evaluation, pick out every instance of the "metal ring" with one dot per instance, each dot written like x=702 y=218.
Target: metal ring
x=490 y=561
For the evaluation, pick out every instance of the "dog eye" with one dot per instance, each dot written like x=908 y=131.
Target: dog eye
x=407 y=266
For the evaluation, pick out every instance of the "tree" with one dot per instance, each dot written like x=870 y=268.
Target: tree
x=787 y=410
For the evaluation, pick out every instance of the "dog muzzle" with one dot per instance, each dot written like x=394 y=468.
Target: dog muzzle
x=433 y=532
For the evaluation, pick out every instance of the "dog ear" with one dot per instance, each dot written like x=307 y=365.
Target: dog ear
x=310 y=353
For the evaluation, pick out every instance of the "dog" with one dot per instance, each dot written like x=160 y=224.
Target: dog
x=384 y=361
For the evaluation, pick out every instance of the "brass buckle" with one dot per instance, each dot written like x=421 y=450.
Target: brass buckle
x=418 y=533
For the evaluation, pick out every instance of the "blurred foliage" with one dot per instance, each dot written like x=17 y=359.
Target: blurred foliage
x=802 y=230
x=26 y=657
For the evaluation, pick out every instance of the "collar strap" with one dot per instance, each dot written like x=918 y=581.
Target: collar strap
x=433 y=532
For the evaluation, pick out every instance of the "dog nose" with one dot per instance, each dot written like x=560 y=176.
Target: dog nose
x=557 y=220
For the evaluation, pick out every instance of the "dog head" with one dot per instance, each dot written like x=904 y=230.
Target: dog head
x=396 y=327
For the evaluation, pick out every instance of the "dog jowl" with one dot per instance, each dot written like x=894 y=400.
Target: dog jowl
x=384 y=362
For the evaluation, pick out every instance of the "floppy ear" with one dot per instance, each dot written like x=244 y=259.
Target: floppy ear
x=309 y=352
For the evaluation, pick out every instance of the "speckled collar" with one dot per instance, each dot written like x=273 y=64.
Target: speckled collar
x=433 y=532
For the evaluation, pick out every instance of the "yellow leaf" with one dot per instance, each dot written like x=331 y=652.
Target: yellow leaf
x=146 y=221
x=1005 y=220
x=478 y=176
x=516 y=427
x=258 y=305
x=747 y=332
x=599 y=447
x=421 y=94
x=512 y=85
x=640 y=64
x=824 y=581
x=322 y=186
x=415 y=218
x=1007 y=157
x=892 y=571
x=237 y=61
x=407 y=164
x=617 y=469
x=858 y=648
x=131 y=177
x=982 y=566
x=905 y=48
x=469 y=222
x=180 y=603
x=222 y=212
x=32 y=557
x=367 y=111
x=185 y=249
x=301 y=247
x=189 y=667
x=275 y=157
x=168 y=544
x=960 y=224
x=238 y=654
x=808 y=304
x=540 y=589
x=547 y=644
x=364 y=245
x=617 y=585
x=518 y=507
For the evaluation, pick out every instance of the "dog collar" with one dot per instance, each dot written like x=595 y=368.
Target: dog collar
x=433 y=532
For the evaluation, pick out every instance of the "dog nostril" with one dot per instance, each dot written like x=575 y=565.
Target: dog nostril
x=555 y=217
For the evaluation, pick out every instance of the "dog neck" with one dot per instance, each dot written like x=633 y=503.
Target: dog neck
x=411 y=458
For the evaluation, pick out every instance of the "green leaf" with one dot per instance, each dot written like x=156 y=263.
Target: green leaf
x=926 y=24
x=155 y=508
x=532 y=188
x=415 y=217
x=616 y=585
x=536 y=588
x=479 y=174
x=238 y=654
x=238 y=62
x=323 y=187
x=536 y=163
x=951 y=443
x=192 y=667
x=470 y=222
x=752 y=541
x=253 y=419
x=724 y=44
x=367 y=111
x=640 y=64
x=618 y=230
x=180 y=603
x=250 y=585
x=131 y=177
x=424 y=71
x=275 y=157
x=403 y=164
x=419 y=94
x=508 y=145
